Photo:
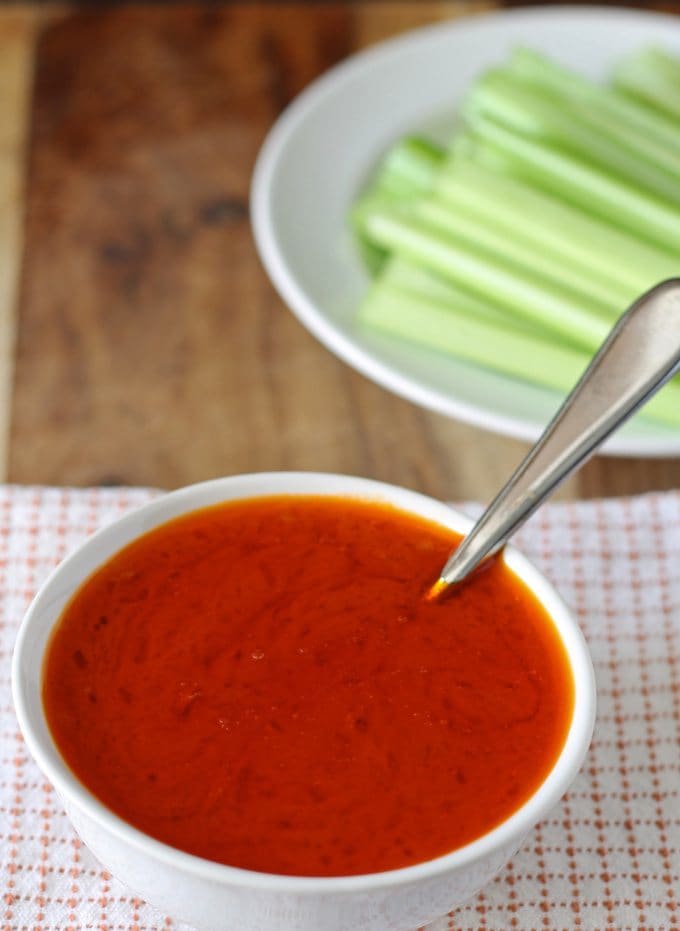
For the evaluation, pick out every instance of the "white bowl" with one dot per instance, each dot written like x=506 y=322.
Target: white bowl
x=221 y=898
x=323 y=149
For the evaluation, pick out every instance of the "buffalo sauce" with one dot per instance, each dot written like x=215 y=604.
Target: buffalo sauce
x=265 y=684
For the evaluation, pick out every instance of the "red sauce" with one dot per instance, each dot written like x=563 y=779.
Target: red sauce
x=264 y=684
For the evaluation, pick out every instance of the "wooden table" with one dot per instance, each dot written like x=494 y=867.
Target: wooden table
x=141 y=340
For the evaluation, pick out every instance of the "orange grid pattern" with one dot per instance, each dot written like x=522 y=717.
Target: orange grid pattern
x=608 y=857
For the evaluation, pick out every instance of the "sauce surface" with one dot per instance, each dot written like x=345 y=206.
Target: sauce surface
x=263 y=684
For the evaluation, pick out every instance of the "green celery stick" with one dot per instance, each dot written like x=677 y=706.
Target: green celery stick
x=642 y=146
x=454 y=330
x=521 y=107
x=554 y=308
x=414 y=279
x=544 y=225
x=653 y=76
x=625 y=123
x=414 y=161
x=372 y=255
x=464 y=226
x=408 y=169
x=573 y=180
x=646 y=124
x=410 y=278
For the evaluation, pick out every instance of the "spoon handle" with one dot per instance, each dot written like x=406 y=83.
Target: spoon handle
x=640 y=354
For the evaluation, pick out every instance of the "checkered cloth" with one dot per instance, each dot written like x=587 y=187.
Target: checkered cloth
x=608 y=857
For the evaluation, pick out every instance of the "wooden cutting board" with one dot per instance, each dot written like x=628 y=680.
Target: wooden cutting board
x=142 y=341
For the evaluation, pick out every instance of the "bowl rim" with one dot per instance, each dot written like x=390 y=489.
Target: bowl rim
x=253 y=485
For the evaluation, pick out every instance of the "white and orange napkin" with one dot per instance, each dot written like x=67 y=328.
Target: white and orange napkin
x=608 y=857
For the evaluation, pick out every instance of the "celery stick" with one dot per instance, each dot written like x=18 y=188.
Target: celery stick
x=648 y=124
x=667 y=64
x=373 y=256
x=451 y=330
x=372 y=203
x=573 y=180
x=414 y=161
x=524 y=109
x=464 y=226
x=654 y=152
x=554 y=308
x=582 y=243
x=408 y=169
x=606 y=113
x=653 y=76
x=413 y=279
x=454 y=331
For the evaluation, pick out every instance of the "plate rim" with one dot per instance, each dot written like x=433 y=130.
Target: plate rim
x=330 y=334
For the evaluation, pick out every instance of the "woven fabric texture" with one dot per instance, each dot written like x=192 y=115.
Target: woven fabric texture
x=608 y=856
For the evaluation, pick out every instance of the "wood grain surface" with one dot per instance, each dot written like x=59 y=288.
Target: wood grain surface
x=150 y=347
x=17 y=31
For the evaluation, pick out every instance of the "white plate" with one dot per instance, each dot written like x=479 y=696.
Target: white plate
x=322 y=149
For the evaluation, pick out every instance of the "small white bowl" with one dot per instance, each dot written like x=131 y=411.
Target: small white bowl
x=216 y=897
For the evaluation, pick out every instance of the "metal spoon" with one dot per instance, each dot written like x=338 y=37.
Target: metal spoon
x=640 y=354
